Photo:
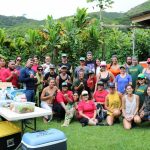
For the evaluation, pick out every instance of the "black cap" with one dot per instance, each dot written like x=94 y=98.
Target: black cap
x=91 y=72
x=111 y=85
x=100 y=83
x=64 y=84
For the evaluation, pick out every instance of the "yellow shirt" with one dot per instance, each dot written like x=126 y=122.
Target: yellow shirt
x=114 y=102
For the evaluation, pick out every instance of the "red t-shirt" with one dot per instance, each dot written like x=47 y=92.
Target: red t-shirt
x=7 y=73
x=91 y=82
x=87 y=108
x=34 y=67
x=99 y=96
x=1 y=72
x=61 y=98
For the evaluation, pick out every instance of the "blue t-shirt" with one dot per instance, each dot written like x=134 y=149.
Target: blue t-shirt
x=122 y=82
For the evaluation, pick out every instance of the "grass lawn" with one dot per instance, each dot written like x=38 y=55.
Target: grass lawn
x=102 y=137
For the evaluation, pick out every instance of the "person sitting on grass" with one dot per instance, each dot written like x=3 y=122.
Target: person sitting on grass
x=130 y=107
x=87 y=110
x=71 y=110
x=63 y=97
x=145 y=110
x=47 y=98
x=113 y=104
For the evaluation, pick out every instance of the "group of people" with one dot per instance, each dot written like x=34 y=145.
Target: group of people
x=91 y=92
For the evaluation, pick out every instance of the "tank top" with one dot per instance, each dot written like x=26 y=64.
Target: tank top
x=130 y=105
x=106 y=79
x=114 y=102
x=62 y=80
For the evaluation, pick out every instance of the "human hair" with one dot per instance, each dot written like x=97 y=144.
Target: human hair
x=129 y=85
x=147 y=89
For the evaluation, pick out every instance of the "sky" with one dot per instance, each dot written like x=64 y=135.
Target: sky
x=39 y=9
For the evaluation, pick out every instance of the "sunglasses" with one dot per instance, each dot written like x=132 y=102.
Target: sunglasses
x=40 y=69
x=140 y=78
x=148 y=62
x=85 y=95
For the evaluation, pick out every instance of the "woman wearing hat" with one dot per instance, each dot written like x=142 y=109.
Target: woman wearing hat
x=141 y=88
x=113 y=104
x=104 y=75
x=146 y=71
x=130 y=107
x=87 y=110
x=122 y=80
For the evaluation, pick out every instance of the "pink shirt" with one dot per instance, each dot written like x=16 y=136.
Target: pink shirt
x=99 y=96
x=61 y=98
x=14 y=80
x=34 y=67
x=87 y=108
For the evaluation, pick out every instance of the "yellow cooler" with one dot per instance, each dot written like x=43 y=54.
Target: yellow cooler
x=10 y=135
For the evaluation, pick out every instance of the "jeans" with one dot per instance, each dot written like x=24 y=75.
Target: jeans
x=30 y=95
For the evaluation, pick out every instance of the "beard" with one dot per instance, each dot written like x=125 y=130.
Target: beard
x=129 y=63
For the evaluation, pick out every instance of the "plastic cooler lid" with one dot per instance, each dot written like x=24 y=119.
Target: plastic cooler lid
x=42 y=137
x=7 y=128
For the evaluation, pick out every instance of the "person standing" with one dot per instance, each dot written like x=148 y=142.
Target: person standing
x=122 y=80
x=90 y=63
x=64 y=61
x=18 y=63
x=28 y=78
x=11 y=74
x=135 y=70
x=128 y=63
x=47 y=64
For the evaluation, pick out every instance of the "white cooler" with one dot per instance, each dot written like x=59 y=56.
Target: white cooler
x=51 y=139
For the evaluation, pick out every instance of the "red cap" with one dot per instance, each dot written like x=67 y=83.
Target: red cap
x=148 y=60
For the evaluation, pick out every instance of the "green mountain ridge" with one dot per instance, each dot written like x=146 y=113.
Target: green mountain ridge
x=23 y=24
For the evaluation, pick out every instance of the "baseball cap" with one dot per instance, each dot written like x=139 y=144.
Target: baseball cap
x=64 y=66
x=111 y=85
x=64 y=55
x=52 y=66
x=82 y=59
x=103 y=63
x=84 y=92
x=141 y=75
x=100 y=83
x=64 y=84
x=90 y=72
x=122 y=66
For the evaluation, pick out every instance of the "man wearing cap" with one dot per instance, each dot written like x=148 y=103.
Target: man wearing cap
x=90 y=63
x=62 y=98
x=134 y=70
x=64 y=61
x=50 y=74
x=122 y=80
x=80 y=84
x=100 y=94
x=63 y=77
x=146 y=71
x=81 y=67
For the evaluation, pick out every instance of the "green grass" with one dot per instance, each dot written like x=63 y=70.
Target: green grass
x=102 y=137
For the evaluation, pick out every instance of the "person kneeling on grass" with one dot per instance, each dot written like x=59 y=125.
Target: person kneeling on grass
x=87 y=110
x=71 y=110
x=130 y=106
x=145 y=110
x=113 y=104
x=48 y=97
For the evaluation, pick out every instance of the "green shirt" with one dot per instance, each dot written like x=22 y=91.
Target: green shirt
x=140 y=91
x=134 y=71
